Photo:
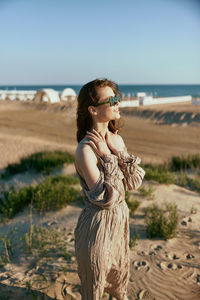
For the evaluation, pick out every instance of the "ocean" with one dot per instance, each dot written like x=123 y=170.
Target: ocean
x=127 y=90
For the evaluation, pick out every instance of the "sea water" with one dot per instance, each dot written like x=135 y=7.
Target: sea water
x=127 y=90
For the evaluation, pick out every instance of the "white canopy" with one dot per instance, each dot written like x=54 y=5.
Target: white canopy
x=68 y=93
x=47 y=95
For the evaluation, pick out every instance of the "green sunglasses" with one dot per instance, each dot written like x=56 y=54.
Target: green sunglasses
x=111 y=100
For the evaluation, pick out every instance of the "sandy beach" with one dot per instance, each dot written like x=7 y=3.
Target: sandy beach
x=161 y=270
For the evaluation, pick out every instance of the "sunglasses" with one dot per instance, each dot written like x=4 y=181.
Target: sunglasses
x=111 y=100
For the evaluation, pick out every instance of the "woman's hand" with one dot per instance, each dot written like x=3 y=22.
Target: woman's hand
x=114 y=142
x=98 y=142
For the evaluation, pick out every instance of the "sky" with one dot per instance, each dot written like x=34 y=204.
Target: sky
x=75 y=41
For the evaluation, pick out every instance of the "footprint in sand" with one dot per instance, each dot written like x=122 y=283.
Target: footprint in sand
x=169 y=266
x=141 y=294
x=71 y=293
x=142 y=253
x=144 y=294
x=171 y=255
x=141 y=265
x=152 y=253
x=198 y=279
x=189 y=256
x=158 y=247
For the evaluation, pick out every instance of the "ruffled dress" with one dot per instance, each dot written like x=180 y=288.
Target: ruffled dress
x=102 y=230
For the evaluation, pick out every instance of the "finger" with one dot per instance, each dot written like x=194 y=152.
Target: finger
x=92 y=144
x=97 y=133
x=93 y=134
x=89 y=134
x=93 y=138
x=102 y=136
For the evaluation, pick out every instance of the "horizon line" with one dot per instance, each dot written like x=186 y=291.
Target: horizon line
x=59 y=84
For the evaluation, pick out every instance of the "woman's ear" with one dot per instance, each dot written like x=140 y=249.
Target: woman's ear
x=92 y=110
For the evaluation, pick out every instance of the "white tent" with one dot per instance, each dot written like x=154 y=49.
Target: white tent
x=67 y=94
x=47 y=95
x=2 y=95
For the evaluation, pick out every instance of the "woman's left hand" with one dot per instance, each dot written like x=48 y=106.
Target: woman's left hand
x=114 y=141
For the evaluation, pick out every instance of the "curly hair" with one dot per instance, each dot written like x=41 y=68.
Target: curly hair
x=88 y=96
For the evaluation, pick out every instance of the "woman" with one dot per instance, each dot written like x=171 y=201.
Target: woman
x=106 y=171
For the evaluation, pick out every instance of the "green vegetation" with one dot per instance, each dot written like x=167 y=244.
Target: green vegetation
x=133 y=241
x=133 y=204
x=193 y=210
x=159 y=173
x=192 y=161
x=44 y=245
x=147 y=192
x=7 y=245
x=43 y=242
x=175 y=171
x=161 y=223
x=40 y=162
x=54 y=193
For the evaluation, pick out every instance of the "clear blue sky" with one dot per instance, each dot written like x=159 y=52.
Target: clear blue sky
x=74 y=41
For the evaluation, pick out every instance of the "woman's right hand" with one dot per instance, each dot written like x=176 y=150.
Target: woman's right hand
x=98 y=142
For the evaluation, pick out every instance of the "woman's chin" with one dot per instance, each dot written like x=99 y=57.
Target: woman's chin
x=117 y=117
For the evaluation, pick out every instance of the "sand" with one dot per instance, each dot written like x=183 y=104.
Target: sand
x=160 y=269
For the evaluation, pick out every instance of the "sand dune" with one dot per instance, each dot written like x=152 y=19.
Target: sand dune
x=161 y=270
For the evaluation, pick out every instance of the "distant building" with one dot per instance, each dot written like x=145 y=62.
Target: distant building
x=68 y=94
x=47 y=95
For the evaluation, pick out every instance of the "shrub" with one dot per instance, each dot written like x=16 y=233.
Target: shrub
x=161 y=223
x=159 y=174
x=193 y=210
x=195 y=183
x=182 y=163
x=132 y=203
x=133 y=241
x=54 y=193
x=147 y=192
x=182 y=179
x=45 y=242
x=40 y=162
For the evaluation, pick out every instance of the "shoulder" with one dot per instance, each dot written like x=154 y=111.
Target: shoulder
x=84 y=155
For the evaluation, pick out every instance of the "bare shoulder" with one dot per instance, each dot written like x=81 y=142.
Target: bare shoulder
x=84 y=155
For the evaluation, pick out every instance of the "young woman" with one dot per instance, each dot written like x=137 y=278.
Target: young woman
x=106 y=171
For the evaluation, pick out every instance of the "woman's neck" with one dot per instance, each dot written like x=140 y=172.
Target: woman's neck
x=101 y=127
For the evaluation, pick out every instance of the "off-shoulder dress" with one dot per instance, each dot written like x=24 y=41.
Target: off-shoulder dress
x=102 y=230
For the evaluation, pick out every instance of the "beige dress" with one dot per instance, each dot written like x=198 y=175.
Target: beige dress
x=102 y=231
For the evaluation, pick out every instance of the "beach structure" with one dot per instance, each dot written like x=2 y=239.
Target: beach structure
x=2 y=95
x=196 y=101
x=17 y=95
x=68 y=94
x=129 y=103
x=149 y=100
x=140 y=95
x=144 y=100
x=47 y=95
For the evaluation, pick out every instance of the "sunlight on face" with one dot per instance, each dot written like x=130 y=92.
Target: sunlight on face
x=105 y=111
x=104 y=93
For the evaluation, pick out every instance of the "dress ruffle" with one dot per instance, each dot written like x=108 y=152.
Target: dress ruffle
x=133 y=174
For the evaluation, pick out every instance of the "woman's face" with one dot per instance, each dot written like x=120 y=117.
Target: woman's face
x=105 y=112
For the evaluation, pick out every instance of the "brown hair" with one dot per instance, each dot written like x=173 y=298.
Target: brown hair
x=88 y=96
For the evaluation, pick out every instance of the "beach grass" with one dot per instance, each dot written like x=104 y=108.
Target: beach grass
x=176 y=171
x=43 y=162
x=132 y=203
x=52 y=194
x=161 y=222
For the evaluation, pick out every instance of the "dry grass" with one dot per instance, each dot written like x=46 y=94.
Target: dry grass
x=25 y=125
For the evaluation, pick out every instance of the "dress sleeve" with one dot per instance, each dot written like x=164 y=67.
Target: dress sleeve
x=133 y=174
x=104 y=194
